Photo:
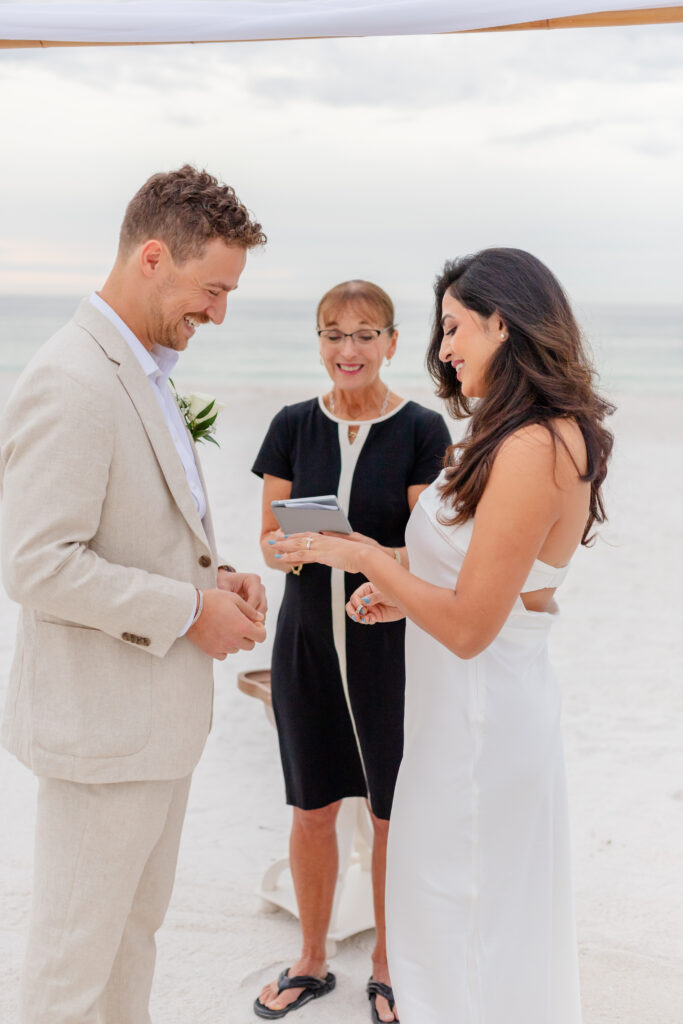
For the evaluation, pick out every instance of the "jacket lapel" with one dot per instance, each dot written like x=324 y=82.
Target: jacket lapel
x=207 y=522
x=139 y=389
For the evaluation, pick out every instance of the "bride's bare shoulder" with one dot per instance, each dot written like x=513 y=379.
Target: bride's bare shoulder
x=557 y=449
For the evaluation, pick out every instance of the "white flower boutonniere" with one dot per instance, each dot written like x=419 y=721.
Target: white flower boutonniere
x=200 y=413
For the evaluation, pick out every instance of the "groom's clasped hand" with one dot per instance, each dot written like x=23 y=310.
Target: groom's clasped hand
x=233 y=615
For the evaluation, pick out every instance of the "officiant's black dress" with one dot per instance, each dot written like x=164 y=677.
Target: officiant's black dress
x=338 y=686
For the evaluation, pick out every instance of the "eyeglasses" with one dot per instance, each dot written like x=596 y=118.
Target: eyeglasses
x=361 y=337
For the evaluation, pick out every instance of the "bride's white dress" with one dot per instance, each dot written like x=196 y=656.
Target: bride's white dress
x=480 y=911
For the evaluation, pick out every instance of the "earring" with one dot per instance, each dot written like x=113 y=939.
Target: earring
x=388 y=362
x=502 y=337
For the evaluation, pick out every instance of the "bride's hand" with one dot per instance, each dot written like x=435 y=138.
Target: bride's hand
x=358 y=538
x=333 y=549
x=369 y=606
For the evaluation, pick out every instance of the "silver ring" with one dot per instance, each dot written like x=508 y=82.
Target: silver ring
x=309 y=541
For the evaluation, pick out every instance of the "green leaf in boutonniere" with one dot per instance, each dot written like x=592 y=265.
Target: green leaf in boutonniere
x=200 y=413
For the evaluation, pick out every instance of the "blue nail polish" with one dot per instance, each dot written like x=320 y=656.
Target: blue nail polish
x=354 y=618
x=287 y=535
x=271 y=541
x=366 y=600
x=361 y=611
x=278 y=556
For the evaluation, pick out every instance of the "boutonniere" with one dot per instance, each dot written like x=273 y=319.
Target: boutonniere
x=200 y=413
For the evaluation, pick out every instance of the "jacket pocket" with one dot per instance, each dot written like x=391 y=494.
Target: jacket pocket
x=91 y=694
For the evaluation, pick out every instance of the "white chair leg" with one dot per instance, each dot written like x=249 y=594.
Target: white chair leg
x=352 y=910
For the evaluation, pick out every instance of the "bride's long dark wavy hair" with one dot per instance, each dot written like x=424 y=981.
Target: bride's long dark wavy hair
x=540 y=374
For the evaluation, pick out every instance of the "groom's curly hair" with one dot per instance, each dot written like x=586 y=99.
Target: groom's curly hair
x=185 y=209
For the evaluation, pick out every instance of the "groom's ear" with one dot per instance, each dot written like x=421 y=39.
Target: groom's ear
x=151 y=255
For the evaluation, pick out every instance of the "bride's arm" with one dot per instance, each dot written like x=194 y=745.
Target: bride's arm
x=521 y=502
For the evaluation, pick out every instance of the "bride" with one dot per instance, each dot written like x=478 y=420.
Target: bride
x=479 y=901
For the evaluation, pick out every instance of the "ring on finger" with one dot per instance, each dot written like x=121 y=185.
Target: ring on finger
x=309 y=541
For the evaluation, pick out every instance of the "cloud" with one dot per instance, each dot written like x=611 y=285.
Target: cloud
x=371 y=157
x=414 y=73
x=443 y=72
x=660 y=148
x=560 y=130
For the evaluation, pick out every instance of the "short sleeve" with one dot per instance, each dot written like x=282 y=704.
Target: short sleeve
x=432 y=438
x=275 y=455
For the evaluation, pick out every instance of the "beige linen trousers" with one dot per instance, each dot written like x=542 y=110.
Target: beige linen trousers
x=102 y=546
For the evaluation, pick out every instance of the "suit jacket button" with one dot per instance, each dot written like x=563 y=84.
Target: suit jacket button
x=126 y=636
x=204 y=561
x=145 y=641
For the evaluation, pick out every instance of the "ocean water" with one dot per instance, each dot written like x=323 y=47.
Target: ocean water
x=636 y=349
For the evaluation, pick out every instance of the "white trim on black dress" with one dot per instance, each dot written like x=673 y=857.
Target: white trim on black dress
x=349 y=452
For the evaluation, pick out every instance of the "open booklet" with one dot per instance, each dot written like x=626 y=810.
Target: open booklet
x=311 y=515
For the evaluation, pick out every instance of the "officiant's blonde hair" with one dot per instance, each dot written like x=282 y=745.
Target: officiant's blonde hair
x=185 y=209
x=363 y=298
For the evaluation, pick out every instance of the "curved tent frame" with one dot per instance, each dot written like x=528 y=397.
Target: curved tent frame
x=155 y=22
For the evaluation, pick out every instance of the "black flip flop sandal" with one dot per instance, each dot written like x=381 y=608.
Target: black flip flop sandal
x=314 y=988
x=378 y=988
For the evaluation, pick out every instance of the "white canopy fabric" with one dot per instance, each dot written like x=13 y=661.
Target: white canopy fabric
x=169 y=21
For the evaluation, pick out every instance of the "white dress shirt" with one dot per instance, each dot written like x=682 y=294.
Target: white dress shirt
x=158 y=365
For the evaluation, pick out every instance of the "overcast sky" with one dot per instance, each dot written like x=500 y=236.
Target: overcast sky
x=373 y=158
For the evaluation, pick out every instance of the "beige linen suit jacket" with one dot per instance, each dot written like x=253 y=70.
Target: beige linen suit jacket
x=102 y=546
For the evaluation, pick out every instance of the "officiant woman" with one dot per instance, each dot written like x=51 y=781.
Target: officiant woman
x=338 y=689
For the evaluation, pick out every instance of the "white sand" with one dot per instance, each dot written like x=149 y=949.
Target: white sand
x=618 y=651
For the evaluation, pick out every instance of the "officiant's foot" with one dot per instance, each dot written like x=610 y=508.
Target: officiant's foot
x=380 y=993
x=277 y=998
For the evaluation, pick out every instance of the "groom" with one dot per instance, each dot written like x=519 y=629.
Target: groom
x=107 y=544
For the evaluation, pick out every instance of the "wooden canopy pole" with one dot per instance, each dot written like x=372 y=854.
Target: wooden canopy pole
x=644 y=16
x=660 y=16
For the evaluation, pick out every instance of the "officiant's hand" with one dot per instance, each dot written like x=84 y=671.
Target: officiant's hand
x=248 y=585
x=226 y=625
x=368 y=605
